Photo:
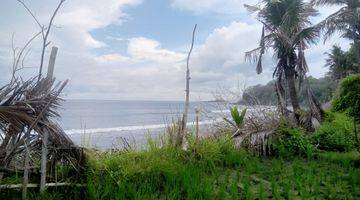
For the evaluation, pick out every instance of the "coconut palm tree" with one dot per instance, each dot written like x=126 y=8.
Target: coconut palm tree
x=288 y=31
x=346 y=21
x=341 y=63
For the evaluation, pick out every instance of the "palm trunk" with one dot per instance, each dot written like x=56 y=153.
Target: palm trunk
x=357 y=50
x=290 y=78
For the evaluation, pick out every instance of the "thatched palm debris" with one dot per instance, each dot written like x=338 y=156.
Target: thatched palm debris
x=27 y=110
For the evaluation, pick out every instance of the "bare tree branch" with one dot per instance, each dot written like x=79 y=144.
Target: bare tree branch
x=20 y=56
x=31 y=13
x=45 y=43
x=45 y=31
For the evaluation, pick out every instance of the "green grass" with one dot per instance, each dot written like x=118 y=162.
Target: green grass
x=214 y=169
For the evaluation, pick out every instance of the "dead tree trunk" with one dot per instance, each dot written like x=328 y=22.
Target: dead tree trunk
x=44 y=150
x=187 y=98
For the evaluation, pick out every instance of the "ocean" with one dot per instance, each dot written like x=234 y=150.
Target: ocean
x=104 y=124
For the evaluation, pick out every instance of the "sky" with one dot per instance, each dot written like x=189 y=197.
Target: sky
x=136 y=49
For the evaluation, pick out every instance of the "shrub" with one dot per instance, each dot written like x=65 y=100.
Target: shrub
x=349 y=96
x=289 y=141
x=335 y=134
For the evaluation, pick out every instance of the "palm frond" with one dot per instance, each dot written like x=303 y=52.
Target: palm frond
x=328 y=2
x=308 y=35
x=252 y=9
x=262 y=51
x=256 y=55
x=345 y=21
x=237 y=117
x=27 y=109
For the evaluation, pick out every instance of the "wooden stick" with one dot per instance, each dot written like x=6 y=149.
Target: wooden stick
x=26 y=174
x=32 y=185
x=44 y=152
x=50 y=71
x=197 y=111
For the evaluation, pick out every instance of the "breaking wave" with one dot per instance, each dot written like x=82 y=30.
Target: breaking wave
x=131 y=128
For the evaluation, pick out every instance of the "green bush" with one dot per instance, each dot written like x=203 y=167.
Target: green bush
x=289 y=141
x=348 y=99
x=335 y=134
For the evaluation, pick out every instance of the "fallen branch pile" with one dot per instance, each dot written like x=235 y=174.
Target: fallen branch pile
x=27 y=111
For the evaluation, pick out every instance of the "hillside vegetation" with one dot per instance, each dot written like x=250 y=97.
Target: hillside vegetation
x=322 y=88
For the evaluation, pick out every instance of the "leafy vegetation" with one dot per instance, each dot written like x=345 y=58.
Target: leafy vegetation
x=341 y=63
x=237 y=117
x=348 y=99
x=345 y=21
x=322 y=88
x=290 y=141
x=335 y=134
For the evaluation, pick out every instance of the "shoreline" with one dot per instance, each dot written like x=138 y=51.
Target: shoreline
x=138 y=138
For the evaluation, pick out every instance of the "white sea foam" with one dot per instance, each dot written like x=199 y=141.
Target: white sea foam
x=131 y=128
x=249 y=109
x=220 y=111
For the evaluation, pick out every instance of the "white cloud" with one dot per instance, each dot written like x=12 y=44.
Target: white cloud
x=223 y=52
x=315 y=55
x=146 y=70
x=79 y=17
x=213 y=6
x=150 y=50
x=152 y=72
x=225 y=47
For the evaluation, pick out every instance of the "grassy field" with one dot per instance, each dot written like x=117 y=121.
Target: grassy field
x=213 y=169
x=216 y=170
